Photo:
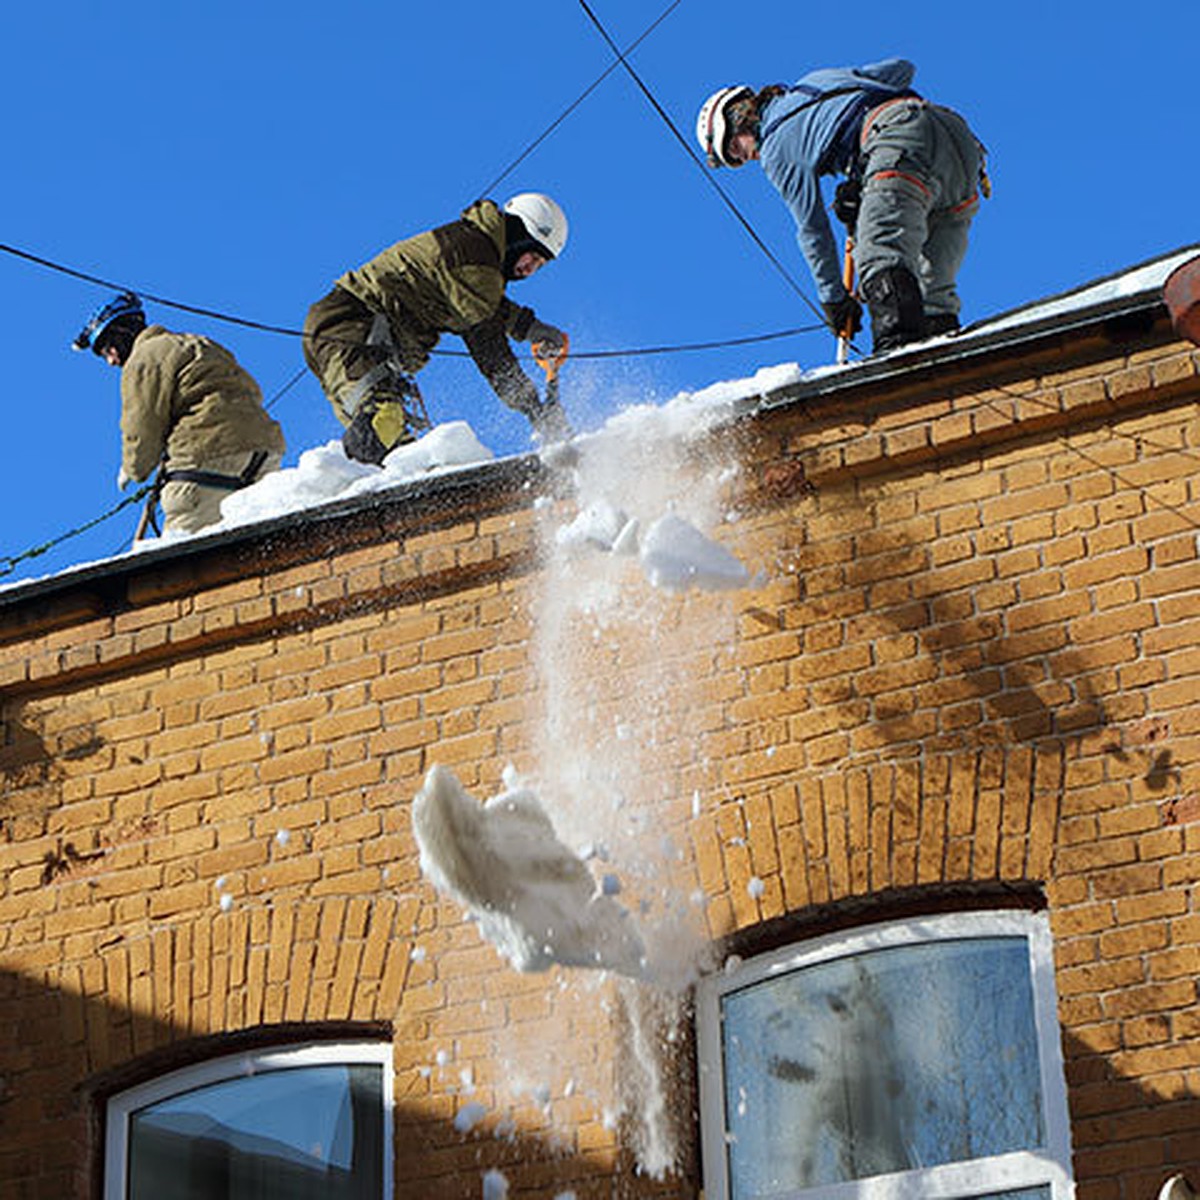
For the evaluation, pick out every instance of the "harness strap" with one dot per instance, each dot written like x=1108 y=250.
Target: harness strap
x=390 y=367
x=841 y=146
x=215 y=479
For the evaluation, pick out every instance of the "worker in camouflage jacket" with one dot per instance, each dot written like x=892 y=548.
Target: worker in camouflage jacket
x=187 y=407
x=914 y=173
x=369 y=336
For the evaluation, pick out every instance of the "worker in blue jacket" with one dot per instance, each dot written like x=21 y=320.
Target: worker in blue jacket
x=913 y=177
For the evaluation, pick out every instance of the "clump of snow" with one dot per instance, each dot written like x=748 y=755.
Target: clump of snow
x=533 y=898
x=469 y=1116
x=675 y=555
x=324 y=473
x=495 y=1186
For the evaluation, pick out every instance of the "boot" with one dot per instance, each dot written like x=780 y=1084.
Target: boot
x=941 y=322
x=893 y=297
x=377 y=428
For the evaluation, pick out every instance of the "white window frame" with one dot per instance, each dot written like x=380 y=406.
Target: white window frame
x=123 y=1105
x=1051 y=1166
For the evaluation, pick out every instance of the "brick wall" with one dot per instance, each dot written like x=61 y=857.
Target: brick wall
x=970 y=661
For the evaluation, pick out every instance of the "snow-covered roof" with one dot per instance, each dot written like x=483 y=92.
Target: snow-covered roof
x=325 y=486
x=1135 y=289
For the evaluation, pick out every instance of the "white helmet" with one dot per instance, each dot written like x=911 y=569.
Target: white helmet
x=544 y=221
x=712 y=126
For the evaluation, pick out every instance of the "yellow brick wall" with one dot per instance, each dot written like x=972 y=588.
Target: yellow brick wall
x=970 y=659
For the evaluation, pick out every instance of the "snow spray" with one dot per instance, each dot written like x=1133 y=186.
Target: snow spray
x=627 y=634
x=583 y=867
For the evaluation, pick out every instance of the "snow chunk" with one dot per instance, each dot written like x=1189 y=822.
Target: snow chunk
x=533 y=899
x=469 y=1116
x=599 y=524
x=675 y=555
x=325 y=473
x=495 y=1186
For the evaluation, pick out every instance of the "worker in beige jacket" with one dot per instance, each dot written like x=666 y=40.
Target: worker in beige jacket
x=187 y=406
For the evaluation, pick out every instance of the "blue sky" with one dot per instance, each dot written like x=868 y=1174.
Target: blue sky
x=238 y=157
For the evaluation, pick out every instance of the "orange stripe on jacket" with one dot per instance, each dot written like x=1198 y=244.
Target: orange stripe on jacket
x=901 y=175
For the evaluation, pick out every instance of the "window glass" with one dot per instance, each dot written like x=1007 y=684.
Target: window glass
x=905 y=1050
x=900 y=1058
x=269 y=1127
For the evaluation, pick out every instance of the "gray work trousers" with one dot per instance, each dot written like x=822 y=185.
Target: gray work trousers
x=921 y=168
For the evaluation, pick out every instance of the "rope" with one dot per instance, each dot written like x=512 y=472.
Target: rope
x=695 y=158
x=231 y=319
x=708 y=175
x=8 y=562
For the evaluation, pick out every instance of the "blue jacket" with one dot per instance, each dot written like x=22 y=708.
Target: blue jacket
x=821 y=139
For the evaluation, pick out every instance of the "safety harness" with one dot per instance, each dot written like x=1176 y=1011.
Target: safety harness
x=214 y=479
x=844 y=152
x=390 y=368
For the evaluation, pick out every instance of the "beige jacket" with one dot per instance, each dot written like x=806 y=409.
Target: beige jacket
x=185 y=398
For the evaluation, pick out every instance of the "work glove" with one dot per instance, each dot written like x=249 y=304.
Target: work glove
x=847 y=199
x=546 y=338
x=123 y=480
x=844 y=315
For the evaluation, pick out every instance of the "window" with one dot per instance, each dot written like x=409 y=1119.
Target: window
x=306 y=1121
x=915 y=1059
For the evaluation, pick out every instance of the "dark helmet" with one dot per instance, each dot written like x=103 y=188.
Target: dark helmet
x=123 y=312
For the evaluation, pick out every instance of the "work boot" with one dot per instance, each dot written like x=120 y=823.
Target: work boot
x=941 y=322
x=377 y=428
x=893 y=298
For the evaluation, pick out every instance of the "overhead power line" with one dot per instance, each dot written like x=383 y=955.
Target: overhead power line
x=512 y=166
x=695 y=158
x=245 y=322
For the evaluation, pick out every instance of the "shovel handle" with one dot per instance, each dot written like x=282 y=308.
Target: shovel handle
x=843 y=348
x=550 y=362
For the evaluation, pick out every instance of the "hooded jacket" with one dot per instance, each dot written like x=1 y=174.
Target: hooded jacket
x=451 y=280
x=186 y=398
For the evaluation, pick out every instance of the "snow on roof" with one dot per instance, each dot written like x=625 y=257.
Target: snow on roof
x=323 y=473
x=1147 y=278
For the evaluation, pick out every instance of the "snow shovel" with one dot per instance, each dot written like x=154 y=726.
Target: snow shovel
x=550 y=363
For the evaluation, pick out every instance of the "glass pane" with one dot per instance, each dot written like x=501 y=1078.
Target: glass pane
x=287 y=1134
x=891 y=1060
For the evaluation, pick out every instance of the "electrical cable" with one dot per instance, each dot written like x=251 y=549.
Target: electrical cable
x=245 y=322
x=695 y=158
x=512 y=166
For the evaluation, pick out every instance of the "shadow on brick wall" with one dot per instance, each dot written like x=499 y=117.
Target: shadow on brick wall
x=1129 y=1137
x=53 y=1094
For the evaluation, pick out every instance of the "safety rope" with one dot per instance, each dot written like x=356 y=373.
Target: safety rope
x=232 y=319
x=8 y=562
x=695 y=158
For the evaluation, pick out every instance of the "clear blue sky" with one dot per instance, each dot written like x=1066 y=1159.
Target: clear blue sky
x=239 y=157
